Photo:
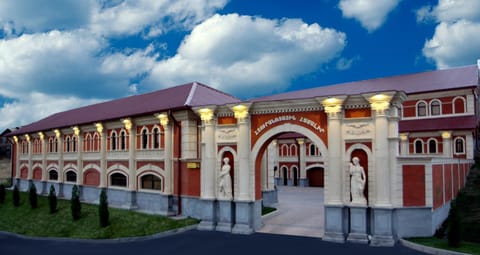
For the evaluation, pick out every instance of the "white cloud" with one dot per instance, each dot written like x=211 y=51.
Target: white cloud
x=35 y=106
x=370 y=13
x=245 y=55
x=346 y=63
x=39 y=16
x=131 y=16
x=457 y=35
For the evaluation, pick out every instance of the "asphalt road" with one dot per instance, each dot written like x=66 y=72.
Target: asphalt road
x=195 y=242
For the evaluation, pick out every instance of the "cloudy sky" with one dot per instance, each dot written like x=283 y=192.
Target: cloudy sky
x=61 y=54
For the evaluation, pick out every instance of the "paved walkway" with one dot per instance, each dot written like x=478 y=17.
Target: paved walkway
x=299 y=212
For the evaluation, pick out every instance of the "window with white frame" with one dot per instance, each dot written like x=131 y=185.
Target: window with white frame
x=435 y=107
x=123 y=140
x=151 y=181
x=418 y=146
x=459 y=144
x=144 y=139
x=113 y=141
x=421 y=108
x=432 y=146
x=156 y=138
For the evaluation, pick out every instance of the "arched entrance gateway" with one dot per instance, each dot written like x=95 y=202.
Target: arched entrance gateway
x=330 y=132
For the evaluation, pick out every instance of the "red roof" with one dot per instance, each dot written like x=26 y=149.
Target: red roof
x=450 y=123
x=175 y=98
x=455 y=78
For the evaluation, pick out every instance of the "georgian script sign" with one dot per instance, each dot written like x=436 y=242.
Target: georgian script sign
x=289 y=118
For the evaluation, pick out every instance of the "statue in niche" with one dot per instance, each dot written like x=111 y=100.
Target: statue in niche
x=225 y=181
x=357 y=182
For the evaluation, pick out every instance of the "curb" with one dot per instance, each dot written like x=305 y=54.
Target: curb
x=105 y=241
x=270 y=214
x=428 y=249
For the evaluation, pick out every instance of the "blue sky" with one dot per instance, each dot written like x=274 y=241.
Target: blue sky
x=61 y=54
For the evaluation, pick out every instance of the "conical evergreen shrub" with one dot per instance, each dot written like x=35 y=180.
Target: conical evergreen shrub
x=52 y=200
x=32 y=196
x=16 y=196
x=2 y=193
x=103 y=209
x=76 y=206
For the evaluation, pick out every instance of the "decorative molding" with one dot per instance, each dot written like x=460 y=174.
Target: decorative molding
x=360 y=130
x=226 y=135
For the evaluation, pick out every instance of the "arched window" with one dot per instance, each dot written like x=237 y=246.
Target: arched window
x=418 y=146
x=458 y=105
x=53 y=175
x=151 y=181
x=459 y=145
x=67 y=143
x=113 y=140
x=293 y=150
x=118 y=179
x=435 y=107
x=74 y=144
x=421 y=108
x=123 y=140
x=432 y=146
x=96 y=142
x=156 y=138
x=284 y=150
x=55 y=141
x=71 y=176
x=50 y=145
x=313 y=149
x=144 y=139
x=87 y=143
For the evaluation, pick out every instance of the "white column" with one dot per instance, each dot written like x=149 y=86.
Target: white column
x=60 y=155
x=243 y=147
x=103 y=155
x=333 y=180
x=17 y=157
x=469 y=145
x=447 y=144
x=168 y=151
x=302 y=155
x=79 y=149
x=404 y=149
x=382 y=161
x=132 y=167
x=207 y=168
x=393 y=142
x=44 y=157
x=30 y=152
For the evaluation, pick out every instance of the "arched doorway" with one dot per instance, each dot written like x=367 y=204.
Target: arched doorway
x=305 y=203
x=315 y=176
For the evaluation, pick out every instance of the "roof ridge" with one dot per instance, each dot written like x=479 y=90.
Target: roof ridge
x=216 y=90
x=190 y=95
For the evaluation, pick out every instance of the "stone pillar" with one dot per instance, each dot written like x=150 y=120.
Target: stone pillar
x=302 y=154
x=469 y=145
x=358 y=225
x=207 y=170
x=132 y=134
x=168 y=152
x=385 y=152
x=447 y=144
x=336 y=217
x=79 y=149
x=404 y=148
x=30 y=155
x=17 y=159
x=59 y=137
x=103 y=155
x=44 y=164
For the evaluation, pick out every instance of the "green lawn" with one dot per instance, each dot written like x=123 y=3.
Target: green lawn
x=267 y=210
x=39 y=222
x=465 y=247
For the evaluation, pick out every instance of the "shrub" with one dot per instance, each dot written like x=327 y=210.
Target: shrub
x=103 y=209
x=453 y=234
x=52 y=200
x=76 y=206
x=32 y=196
x=2 y=193
x=16 y=196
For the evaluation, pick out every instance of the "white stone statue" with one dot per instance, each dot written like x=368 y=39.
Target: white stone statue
x=225 y=181
x=357 y=182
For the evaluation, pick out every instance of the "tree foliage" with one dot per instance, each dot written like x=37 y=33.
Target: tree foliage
x=76 y=206
x=52 y=200
x=103 y=209
x=32 y=196
x=454 y=234
x=16 y=196
x=2 y=193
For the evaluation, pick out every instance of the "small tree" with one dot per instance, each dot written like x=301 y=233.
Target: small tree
x=16 y=196
x=32 y=196
x=103 y=209
x=75 y=203
x=52 y=200
x=454 y=234
x=2 y=193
